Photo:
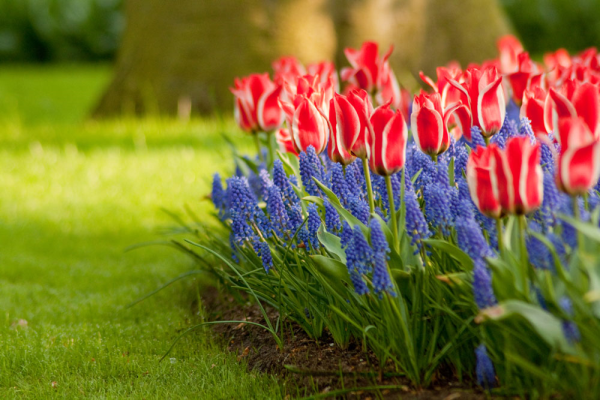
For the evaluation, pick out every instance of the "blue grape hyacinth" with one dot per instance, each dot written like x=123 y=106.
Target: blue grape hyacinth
x=486 y=375
x=382 y=281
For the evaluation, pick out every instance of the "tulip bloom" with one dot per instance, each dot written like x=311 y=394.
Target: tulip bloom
x=509 y=48
x=516 y=175
x=534 y=101
x=326 y=71
x=336 y=150
x=352 y=116
x=526 y=76
x=287 y=69
x=370 y=72
x=482 y=91
x=256 y=103
x=574 y=99
x=480 y=183
x=579 y=160
x=389 y=135
x=285 y=142
x=306 y=107
x=429 y=123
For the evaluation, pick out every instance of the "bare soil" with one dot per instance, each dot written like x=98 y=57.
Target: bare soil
x=320 y=367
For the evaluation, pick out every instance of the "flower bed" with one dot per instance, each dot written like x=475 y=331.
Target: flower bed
x=458 y=231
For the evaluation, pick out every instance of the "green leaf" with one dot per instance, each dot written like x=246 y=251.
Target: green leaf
x=332 y=243
x=546 y=325
x=334 y=271
x=452 y=251
x=587 y=229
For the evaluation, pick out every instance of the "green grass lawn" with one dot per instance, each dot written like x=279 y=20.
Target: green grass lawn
x=73 y=195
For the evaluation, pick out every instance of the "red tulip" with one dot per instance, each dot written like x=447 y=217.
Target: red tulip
x=480 y=184
x=287 y=69
x=483 y=92
x=526 y=76
x=306 y=112
x=389 y=135
x=449 y=93
x=336 y=150
x=256 y=105
x=429 y=123
x=516 y=175
x=352 y=116
x=509 y=48
x=534 y=101
x=326 y=71
x=285 y=142
x=574 y=99
x=370 y=72
x=579 y=160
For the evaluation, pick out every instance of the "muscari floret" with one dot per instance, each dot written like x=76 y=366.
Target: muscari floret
x=295 y=217
x=217 y=194
x=546 y=214
x=265 y=182
x=381 y=277
x=332 y=218
x=486 y=375
x=314 y=221
x=346 y=235
x=471 y=240
x=461 y=158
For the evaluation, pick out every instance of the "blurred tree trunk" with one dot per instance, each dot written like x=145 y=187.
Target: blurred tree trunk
x=189 y=51
x=185 y=54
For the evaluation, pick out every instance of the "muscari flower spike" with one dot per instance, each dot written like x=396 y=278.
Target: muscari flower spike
x=570 y=329
x=482 y=285
x=217 y=194
x=281 y=180
x=276 y=210
x=461 y=158
x=525 y=130
x=346 y=235
x=359 y=208
x=437 y=206
x=471 y=240
x=265 y=182
x=314 y=221
x=476 y=138
x=486 y=375
x=381 y=277
x=332 y=218
x=339 y=186
x=359 y=258
x=310 y=167
x=416 y=225
x=266 y=257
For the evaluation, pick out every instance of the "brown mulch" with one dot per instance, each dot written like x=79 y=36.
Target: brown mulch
x=319 y=367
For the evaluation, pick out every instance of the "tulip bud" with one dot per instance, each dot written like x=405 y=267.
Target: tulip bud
x=429 y=122
x=256 y=103
x=389 y=135
x=579 y=160
x=534 y=101
x=352 y=116
x=480 y=184
x=336 y=150
x=573 y=100
x=516 y=175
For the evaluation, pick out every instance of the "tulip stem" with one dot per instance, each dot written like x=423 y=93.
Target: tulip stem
x=365 y=164
x=434 y=158
x=577 y=216
x=486 y=140
x=271 y=150
x=524 y=256
x=499 y=234
x=390 y=190
x=257 y=143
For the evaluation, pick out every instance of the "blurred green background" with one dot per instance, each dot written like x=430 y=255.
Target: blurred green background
x=89 y=30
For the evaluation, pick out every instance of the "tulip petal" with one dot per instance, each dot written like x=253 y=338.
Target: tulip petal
x=308 y=127
x=347 y=121
x=491 y=108
x=462 y=117
x=561 y=108
x=586 y=101
x=270 y=115
x=579 y=168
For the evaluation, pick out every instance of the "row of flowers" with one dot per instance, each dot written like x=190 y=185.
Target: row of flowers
x=482 y=179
